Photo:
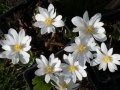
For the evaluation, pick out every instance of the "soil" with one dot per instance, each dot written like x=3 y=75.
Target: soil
x=23 y=17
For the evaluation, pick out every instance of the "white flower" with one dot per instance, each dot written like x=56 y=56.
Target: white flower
x=81 y=49
x=91 y=28
x=62 y=85
x=72 y=69
x=48 y=68
x=47 y=20
x=106 y=58
x=15 y=46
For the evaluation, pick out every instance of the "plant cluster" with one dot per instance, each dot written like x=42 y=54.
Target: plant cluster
x=63 y=74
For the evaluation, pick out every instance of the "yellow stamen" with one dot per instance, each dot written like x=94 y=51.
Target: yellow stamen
x=82 y=48
x=71 y=68
x=63 y=85
x=89 y=29
x=17 y=47
x=106 y=59
x=48 y=21
x=49 y=69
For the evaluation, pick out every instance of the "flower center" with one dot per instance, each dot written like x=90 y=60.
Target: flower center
x=48 y=21
x=89 y=30
x=82 y=48
x=71 y=68
x=106 y=59
x=63 y=85
x=49 y=69
x=17 y=47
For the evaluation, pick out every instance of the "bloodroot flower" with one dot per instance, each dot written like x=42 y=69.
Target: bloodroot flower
x=106 y=58
x=47 y=20
x=15 y=46
x=72 y=69
x=48 y=68
x=91 y=28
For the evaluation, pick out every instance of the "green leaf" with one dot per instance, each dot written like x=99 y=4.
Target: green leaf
x=116 y=35
x=39 y=83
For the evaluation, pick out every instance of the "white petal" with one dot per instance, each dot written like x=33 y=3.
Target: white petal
x=58 y=18
x=94 y=18
x=47 y=78
x=43 y=58
x=43 y=12
x=104 y=48
x=24 y=57
x=13 y=33
x=83 y=73
x=69 y=49
x=39 y=24
x=6 y=54
x=39 y=72
x=86 y=17
x=40 y=17
x=78 y=75
x=77 y=29
x=26 y=41
x=15 y=59
x=111 y=67
x=59 y=23
x=57 y=69
x=100 y=66
x=40 y=63
x=43 y=30
x=77 y=41
x=110 y=52
x=116 y=62
x=21 y=35
x=100 y=37
x=116 y=56
x=73 y=77
x=99 y=30
x=98 y=24
x=7 y=47
x=10 y=38
x=50 y=7
x=94 y=62
x=78 y=21
x=26 y=48
x=104 y=66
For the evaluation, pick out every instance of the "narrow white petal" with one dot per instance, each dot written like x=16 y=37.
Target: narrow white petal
x=99 y=30
x=100 y=37
x=77 y=41
x=101 y=66
x=116 y=56
x=24 y=57
x=57 y=69
x=111 y=67
x=39 y=72
x=7 y=47
x=50 y=7
x=40 y=17
x=59 y=23
x=40 y=63
x=43 y=30
x=47 y=78
x=15 y=59
x=21 y=35
x=98 y=24
x=116 y=62
x=94 y=62
x=58 y=18
x=86 y=17
x=104 y=66
x=10 y=38
x=69 y=49
x=104 y=48
x=83 y=73
x=77 y=29
x=78 y=75
x=73 y=77
x=26 y=48
x=110 y=51
x=78 y=21
x=43 y=58
x=26 y=41
x=39 y=24
x=43 y=12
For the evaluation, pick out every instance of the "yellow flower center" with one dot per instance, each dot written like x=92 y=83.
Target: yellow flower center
x=106 y=59
x=89 y=29
x=82 y=48
x=49 y=69
x=63 y=85
x=17 y=47
x=71 y=68
x=48 y=21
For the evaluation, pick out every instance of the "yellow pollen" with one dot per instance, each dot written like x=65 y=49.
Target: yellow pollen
x=82 y=48
x=49 y=69
x=63 y=85
x=89 y=30
x=106 y=59
x=71 y=68
x=48 y=21
x=17 y=47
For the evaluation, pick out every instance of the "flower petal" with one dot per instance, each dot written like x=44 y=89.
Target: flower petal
x=7 y=47
x=77 y=41
x=39 y=72
x=86 y=17
x=43 y=58
x=99 y=30
x=69 y=49
x=116 y=56
x=100 y=37
x=59 y=23
x=78 y=75
x=39 y=24
x=21 y=35
x=104 y=48
x=110 y=52
x=40 y=17
x=58 y=18
x=47 y=78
